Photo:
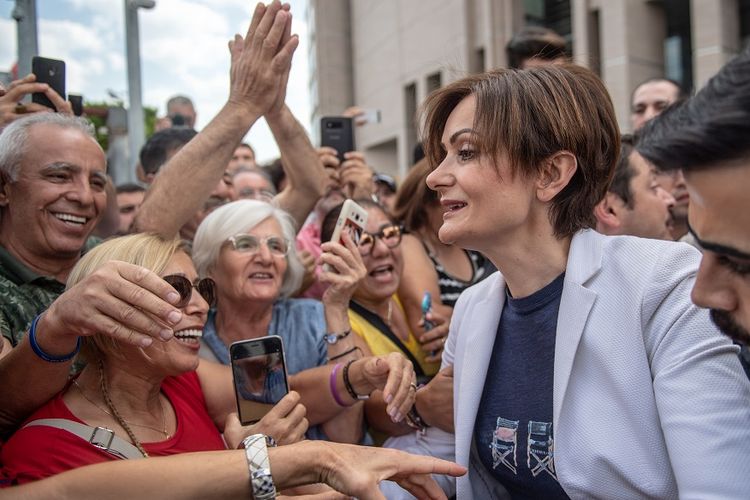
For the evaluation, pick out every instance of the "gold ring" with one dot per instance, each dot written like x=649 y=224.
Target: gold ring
x=20 y=108
x=414 y=386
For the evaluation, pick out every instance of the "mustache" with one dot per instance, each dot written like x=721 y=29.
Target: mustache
x=729 y=327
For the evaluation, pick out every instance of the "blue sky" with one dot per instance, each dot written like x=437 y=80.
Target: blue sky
x=183 y=51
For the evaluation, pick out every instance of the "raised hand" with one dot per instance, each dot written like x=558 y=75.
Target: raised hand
x=261 y=60
x=286 y=423
x=10 y=109
x=345 y=272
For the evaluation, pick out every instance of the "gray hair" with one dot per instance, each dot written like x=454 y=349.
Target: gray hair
x=239 y=217
x=14 y=139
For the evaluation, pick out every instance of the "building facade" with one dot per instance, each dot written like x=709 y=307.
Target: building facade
x=389 y=54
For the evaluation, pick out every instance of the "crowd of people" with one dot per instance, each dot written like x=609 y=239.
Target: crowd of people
x=543 y=308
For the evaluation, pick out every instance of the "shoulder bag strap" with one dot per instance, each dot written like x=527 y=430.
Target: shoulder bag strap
x=101 y=437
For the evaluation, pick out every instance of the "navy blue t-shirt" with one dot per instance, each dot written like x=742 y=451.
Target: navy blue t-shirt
x=513 y=429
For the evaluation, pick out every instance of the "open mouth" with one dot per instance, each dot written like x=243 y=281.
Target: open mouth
x=454 y=206
x=70 y=219
x=384 y=271
x=261 y=276
x=189 y=336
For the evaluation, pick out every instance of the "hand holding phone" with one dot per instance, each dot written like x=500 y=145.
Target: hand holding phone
x=259 y=373
x=337 y=132
x=51 y=72
x=352 y=219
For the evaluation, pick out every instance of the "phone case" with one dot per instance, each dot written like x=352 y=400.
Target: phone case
x=337 y=132
x=259 y=374
x=51 y=72
x=352 y=217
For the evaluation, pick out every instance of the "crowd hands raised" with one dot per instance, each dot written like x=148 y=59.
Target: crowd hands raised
x=218 y=250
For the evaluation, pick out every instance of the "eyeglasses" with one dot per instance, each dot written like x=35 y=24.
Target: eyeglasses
x=206 y=287
x=247 y=243
x=255 y=194
x=390 y=235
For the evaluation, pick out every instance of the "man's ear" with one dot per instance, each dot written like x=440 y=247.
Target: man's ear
x=607 y=214
x=556 y=173
x=4 y=190
x=142 y=175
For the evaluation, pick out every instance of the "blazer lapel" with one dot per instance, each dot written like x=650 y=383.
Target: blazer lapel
x=478 y=329
x=584 y=261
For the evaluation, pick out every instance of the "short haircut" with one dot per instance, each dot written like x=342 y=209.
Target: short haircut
x=529 y=115
x=142 y=249
x=534 y=41
x=275 y=170
x=14 y=139
x=707 y=130
x=179 y=100
x=130 y=187
x=254 y=169
x=154 y=152
x=414 y=197
x=624 y=172
x=246 y=146
x=239 y=217
x=682 y=94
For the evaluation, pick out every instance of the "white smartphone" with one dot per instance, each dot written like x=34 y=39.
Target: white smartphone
x=353 y=219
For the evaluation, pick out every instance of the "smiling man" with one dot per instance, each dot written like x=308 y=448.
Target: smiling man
x=53 y=194
x=708 y=138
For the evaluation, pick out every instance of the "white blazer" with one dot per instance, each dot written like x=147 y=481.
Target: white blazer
x=649 y=399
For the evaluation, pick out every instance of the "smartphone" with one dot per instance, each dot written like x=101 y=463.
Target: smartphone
x=51 y=72
x=367 y=116
x=260 y=378
x=353 y=219
x=76 y=102
x=337 y=132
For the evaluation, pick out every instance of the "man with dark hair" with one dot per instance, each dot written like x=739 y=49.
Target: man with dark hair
x=129 y=199
x=652 y=97
x=181 y=111
x=635 y=203
x=243 y=156
x=707 y=137
x=159 y=148
x=535 y=46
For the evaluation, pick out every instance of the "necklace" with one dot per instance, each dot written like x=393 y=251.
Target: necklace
x=163 y=413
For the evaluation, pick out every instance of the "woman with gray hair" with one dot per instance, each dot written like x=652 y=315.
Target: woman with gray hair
x=247 y=248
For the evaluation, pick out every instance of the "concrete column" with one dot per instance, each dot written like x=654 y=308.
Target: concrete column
x=716 y=36
x=579 y=13
x=632 y=48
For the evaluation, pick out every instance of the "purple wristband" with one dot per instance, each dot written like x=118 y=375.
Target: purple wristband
x=332 y=384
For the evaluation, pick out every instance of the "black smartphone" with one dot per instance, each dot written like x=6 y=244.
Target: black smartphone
x=260 y=379
x=337 y=132
x=51 y=72
x=76 y=102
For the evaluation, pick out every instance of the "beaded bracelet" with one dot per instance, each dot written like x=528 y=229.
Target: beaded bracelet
x=332 y=384
x=43 y=355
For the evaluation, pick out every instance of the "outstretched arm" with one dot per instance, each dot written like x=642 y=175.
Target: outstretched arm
x=353 y=470
x=259 y=63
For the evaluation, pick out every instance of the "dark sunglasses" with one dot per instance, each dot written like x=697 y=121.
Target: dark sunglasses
x=206 y=287
x=390 y=235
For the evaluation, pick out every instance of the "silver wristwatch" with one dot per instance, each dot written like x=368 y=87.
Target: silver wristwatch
x=332 y=338
x=256 y=452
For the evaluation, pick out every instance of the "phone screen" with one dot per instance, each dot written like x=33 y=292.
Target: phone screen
x=259 y=376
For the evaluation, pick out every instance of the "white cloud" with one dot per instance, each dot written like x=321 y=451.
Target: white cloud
x=183 y=50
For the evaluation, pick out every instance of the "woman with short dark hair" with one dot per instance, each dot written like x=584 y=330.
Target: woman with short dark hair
x=581 y=369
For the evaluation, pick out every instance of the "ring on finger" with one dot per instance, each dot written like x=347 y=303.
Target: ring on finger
x=413 y=386
x=20 y=108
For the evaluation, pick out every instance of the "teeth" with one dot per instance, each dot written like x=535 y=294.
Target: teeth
x=261 y=275
x=192 y=334
x=71 y=218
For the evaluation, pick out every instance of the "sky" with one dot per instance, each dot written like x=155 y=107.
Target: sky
x=183 y=51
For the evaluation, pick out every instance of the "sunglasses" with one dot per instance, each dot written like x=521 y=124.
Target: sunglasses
x=390 y=235
x=247 y=243
x=206 y=287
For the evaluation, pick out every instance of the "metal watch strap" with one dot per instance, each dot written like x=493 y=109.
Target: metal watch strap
x=259 y=467
x=332 y=338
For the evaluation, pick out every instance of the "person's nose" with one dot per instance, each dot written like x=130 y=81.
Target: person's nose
x=440 y=177
x=667 y=197
x=712 y=288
